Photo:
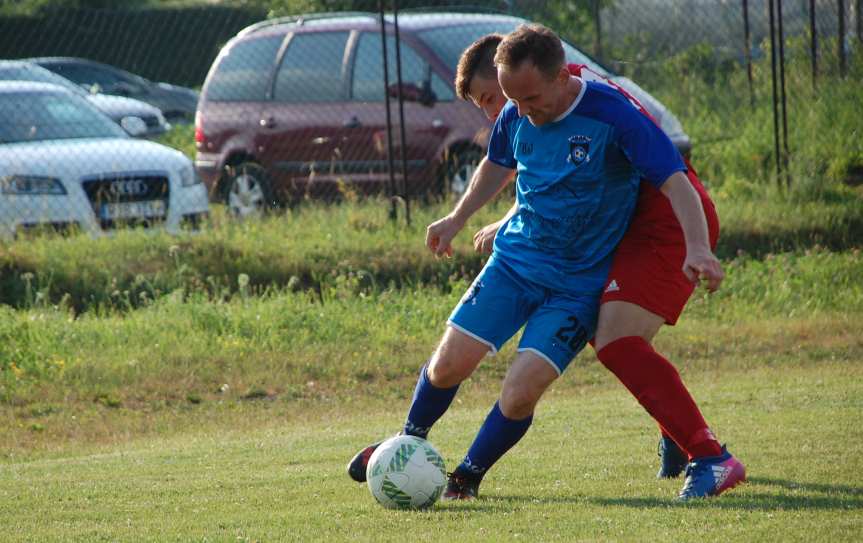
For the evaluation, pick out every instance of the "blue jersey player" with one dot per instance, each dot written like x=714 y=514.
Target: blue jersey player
x=580 y=150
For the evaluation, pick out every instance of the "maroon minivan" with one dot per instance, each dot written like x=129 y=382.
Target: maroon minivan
x=295 y=107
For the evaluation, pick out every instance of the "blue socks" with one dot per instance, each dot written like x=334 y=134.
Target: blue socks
x=428 y=405
x=497 y=435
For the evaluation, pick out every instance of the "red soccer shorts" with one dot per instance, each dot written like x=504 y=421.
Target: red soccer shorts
x=647 y=269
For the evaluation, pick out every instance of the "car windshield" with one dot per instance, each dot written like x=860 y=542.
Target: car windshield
x=37 y=74
x=40 y=116
x=448 y=42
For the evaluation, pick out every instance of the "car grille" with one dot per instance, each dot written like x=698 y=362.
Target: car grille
x=127 y=189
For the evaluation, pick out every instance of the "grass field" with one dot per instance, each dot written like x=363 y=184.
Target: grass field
x=237 y=422
x=585 y=471
x=212 y=386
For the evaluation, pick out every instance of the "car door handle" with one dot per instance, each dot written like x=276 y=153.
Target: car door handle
x=269 y=122
x=353 y=122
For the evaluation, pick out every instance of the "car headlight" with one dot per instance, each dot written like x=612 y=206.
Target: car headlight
x=31 y=184
x=188 y=177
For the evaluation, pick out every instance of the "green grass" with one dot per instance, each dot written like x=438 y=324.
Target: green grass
x=316 y=245
x=584 y=472
x=182 y=138
x=733 y=140
x=212 y=385
x=65 y=379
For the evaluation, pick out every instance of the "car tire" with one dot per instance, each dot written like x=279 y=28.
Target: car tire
x=247 y=192
x=459 y=169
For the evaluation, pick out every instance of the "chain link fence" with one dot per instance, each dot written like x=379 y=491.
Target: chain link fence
x=271 y=106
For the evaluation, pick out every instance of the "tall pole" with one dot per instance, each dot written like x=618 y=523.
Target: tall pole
x=859 y=15
x=747 y=52
x=785 y=152
x=772 y=19
x=841 y=38
x=390 y=162
x=813 y=44
x=402 y=128
x=597 y=44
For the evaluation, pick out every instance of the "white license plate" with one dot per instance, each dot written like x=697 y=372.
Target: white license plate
x=133 y=210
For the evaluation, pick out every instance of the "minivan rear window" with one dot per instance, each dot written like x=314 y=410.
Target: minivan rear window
x=312 y=68
x=243 y=73
x=368 y=72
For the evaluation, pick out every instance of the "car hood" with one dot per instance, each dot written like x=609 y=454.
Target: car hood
x=177 y=97
x=118 y=107
x=86 y=157
x=666 y=119
x=178 y=90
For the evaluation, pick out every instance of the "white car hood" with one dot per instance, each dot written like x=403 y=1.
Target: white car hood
x=667 y=120
x=74 y=159
x=118 y=107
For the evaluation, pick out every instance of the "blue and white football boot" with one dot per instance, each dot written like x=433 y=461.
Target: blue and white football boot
x=711 y=476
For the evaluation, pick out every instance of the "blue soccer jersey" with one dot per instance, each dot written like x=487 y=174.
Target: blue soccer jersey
x=577 y=185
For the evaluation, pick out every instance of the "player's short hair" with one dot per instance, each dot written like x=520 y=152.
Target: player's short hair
x=478 y=59
x=534 y=43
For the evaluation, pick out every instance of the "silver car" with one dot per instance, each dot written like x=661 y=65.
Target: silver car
x=63 y=164
x=115 y=107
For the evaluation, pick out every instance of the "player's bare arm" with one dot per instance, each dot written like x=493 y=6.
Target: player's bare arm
x=488 y=180
x=700 y=261
x=483 y=239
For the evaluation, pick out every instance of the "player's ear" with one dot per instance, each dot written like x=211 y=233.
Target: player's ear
x=563 y=74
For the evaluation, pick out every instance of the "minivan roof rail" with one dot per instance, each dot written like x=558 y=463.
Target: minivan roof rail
x=466 y=8
x=300 y=19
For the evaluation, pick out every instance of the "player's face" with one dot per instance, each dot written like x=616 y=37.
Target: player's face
x=535 y=95
x=486 y=94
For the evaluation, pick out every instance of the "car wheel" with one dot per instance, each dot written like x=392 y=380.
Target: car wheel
x=460 y=167
x=247 y=191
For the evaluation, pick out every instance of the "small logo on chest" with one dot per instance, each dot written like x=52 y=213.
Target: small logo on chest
x=579 y=150
x=525 y=148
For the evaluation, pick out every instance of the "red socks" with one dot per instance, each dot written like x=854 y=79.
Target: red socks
x=657 y=386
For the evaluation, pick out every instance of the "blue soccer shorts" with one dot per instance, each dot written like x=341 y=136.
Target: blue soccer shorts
x=557 y=325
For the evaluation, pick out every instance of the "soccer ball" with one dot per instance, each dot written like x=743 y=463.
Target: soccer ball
x=406 y=472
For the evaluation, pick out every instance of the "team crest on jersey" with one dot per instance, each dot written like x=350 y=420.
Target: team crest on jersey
x=579 y=150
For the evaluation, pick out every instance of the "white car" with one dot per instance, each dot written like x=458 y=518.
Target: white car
x=115 y=107
x=64 y=164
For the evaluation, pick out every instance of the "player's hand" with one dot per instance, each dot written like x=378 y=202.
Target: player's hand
x=439 y=235
x=702 y=265
x=483 y=239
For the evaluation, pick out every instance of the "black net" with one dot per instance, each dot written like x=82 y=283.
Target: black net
x=277 y=104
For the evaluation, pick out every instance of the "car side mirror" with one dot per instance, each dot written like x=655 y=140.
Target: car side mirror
x=413 y=93
x=427 y=96
x=134 y=126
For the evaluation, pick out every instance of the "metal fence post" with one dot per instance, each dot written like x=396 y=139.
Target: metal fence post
x=785 y=152
x=813 y=43
x=841 y=39
x=597 y=43
x=747 y=52
x=772 y=19
x=859 y=15
x=390 y=162
x=402 y=128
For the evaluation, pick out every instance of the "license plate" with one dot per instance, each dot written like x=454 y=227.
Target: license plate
x=133 y=210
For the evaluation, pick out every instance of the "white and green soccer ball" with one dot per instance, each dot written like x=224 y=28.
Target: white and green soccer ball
x=406 y=472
